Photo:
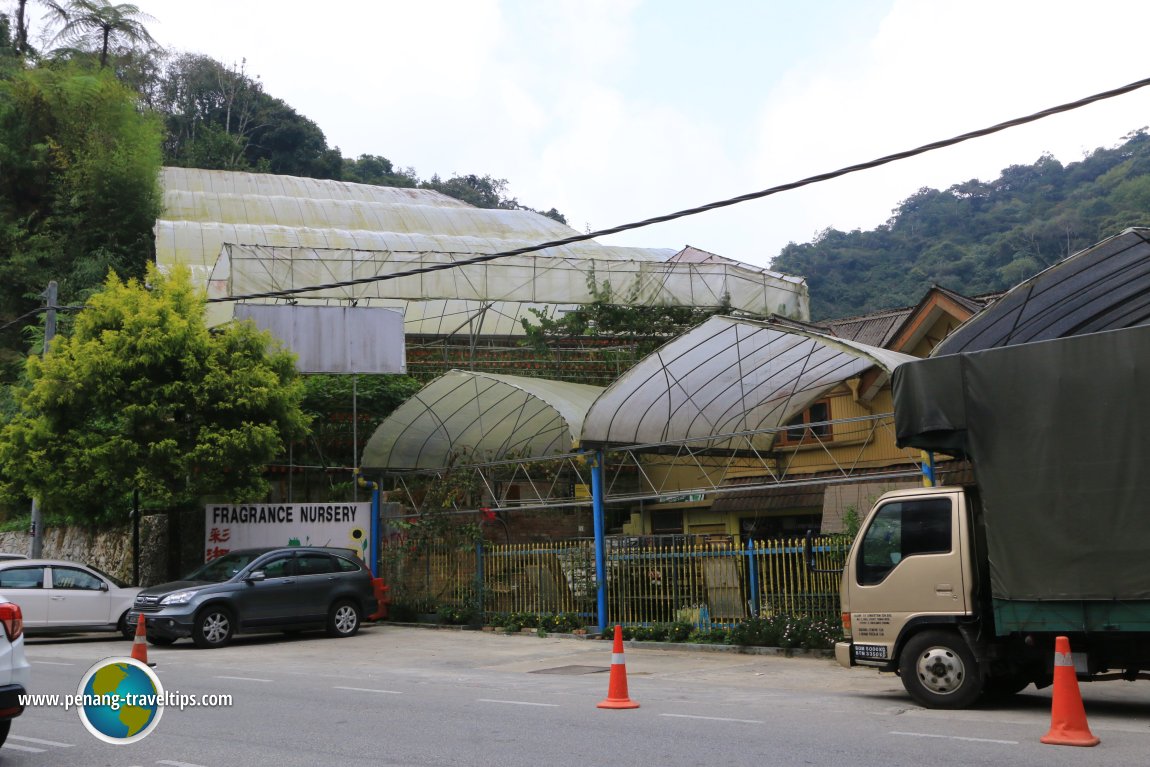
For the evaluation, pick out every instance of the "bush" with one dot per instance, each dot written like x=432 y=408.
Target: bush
x=457 y=615
x=709 y=636
x=563 y=623
x=786 y=631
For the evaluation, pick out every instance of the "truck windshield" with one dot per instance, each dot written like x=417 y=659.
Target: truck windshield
x=901 y=529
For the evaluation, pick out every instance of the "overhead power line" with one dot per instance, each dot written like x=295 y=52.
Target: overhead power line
x=1067 y=107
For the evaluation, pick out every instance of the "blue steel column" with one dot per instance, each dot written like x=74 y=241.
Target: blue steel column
x=600 y=546
x=928 y=468
x=376 y=526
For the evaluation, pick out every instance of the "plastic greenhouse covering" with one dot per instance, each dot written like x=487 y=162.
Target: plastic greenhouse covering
x=728 y=376
x=474 y=417
x=256 y=233
x=725 y=376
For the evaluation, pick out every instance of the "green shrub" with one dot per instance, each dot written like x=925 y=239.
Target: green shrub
x=786 y=631
x=708 y=636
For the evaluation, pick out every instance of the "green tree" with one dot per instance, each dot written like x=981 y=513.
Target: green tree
x=100 y=25
x=142 y=396
x=377 y=170
x=79 y=189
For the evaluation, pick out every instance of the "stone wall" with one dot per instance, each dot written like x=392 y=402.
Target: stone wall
x=108 y=550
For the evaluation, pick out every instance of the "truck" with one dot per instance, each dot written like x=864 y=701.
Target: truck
x=961 y=590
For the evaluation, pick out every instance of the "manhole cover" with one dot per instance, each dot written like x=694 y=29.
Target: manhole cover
x=571 y=670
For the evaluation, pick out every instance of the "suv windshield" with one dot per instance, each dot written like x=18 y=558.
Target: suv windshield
x=222 y=568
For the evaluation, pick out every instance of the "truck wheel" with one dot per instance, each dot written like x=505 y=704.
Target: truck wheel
x=213 y=628
x=939 y=670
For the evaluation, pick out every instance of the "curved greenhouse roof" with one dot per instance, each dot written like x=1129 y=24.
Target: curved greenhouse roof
x=476 y=417
x=728 y=376
x=1105 y=287
x=254 y=233
x=725 y=376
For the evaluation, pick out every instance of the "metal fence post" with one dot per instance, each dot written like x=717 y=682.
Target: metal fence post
x=753 y=574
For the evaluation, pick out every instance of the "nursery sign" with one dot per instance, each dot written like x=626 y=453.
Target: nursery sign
x=255 y=525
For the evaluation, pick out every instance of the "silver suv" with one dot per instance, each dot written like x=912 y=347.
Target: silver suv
x=14 y=667
x=253 y=590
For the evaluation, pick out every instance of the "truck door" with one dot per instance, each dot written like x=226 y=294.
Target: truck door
x=909 y=563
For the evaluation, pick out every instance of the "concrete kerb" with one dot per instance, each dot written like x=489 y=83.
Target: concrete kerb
x=782 y=652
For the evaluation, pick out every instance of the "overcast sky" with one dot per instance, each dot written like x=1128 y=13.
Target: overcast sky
x=618 y=110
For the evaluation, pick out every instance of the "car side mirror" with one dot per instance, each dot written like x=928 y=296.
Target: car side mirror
x=103 y=586
x=255 y=576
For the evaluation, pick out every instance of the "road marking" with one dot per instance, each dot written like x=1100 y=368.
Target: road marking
x=245 y=678
x=519 y=703
x=29 y=749
x=178 y=764
x=40 y=742
x=368 y=689
x=51 y=663
x=956 y=737
x=714 y=718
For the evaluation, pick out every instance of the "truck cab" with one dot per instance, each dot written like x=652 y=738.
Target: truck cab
x=908 y=592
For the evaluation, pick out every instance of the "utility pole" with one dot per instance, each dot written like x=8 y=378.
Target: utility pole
x=37 y=531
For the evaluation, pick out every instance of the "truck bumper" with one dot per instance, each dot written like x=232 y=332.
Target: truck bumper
x=843 y=654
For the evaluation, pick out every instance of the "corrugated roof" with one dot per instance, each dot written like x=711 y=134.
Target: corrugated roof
x=873 y=329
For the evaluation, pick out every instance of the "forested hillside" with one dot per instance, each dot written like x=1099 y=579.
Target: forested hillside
x=87 y=122
x=977 y=237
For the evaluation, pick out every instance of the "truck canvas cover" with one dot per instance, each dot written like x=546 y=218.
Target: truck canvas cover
x=1059 y=435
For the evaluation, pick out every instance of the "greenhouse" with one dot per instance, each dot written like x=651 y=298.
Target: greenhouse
x=248 y=235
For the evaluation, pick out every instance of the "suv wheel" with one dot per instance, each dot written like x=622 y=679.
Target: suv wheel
x=126 y=629
x=343 y=619
x=214 y=628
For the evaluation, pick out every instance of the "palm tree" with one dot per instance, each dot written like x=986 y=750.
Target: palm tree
x=85 y=19
x=21 y=42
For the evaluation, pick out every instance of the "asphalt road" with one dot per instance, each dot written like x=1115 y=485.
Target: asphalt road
x=417 y=697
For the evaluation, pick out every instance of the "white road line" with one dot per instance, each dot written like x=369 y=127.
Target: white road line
x=29 y=749
x=714 y=718
x=244 y=678
x=955 y=737
x=368 y=689
x=51 y=663
x=26 y=739
x=178 y=764
x=519 y=703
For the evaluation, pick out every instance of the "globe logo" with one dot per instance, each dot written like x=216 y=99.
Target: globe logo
x=121 y=700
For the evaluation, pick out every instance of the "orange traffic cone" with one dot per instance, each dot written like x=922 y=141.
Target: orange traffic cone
x=140 y=643
x=1067 y=716
x=617 y=686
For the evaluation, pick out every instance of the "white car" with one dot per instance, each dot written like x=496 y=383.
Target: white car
x=58 y=597
x=14 y=667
